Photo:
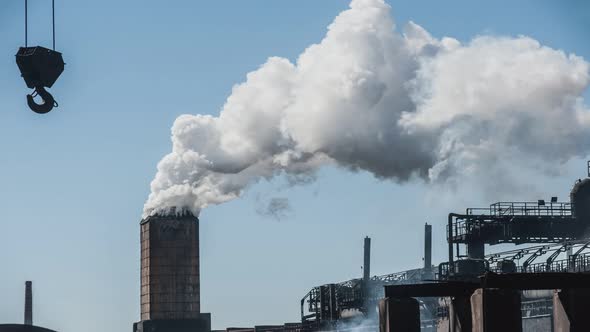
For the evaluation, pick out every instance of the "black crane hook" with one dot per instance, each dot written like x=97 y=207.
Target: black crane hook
x=40 y=67
x=48 y=101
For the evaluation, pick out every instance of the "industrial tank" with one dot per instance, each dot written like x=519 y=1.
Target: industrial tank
x=580 y=199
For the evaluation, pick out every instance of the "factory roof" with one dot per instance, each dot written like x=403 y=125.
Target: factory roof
x=22 y=328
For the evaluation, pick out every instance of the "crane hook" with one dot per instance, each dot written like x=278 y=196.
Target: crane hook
x=48 y=101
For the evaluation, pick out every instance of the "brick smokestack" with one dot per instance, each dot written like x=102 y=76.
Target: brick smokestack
x=28 y=303
x=170 y=285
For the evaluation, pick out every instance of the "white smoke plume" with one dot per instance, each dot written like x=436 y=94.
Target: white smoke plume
x=399 y=105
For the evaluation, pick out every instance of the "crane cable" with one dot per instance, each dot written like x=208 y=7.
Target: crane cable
x=27 y=22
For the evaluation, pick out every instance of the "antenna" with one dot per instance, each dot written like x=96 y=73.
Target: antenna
x=589 y=168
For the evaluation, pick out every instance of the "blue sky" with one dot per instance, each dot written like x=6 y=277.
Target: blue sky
x=73 y=182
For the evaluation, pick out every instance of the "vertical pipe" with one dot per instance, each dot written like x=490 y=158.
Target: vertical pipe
x=28 y=303
x=366 y=289
x=476 y=250
x=333 y=302
x=367 y=260
x=450 y=241
x=427 y=246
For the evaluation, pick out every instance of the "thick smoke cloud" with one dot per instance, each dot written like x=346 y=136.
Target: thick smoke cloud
x=402 y=106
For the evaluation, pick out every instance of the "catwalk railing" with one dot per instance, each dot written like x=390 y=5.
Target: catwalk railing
x=515 y=222
x=540 y=208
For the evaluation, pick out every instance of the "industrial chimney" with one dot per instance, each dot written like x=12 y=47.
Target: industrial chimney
x=427 y=273
x=28 y=303
x=427 y=246
x=170 y=289
x=367 y=260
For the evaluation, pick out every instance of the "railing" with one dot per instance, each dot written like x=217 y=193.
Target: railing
x=443 y=271
x=524 y=209
x=581 y=263
x=477 y=218
x=460 y=227
x=394 y=277
x=557 y=266
x=468 y=226
x=537 y=308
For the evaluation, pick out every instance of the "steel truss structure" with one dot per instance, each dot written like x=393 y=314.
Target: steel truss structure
x=328 y=305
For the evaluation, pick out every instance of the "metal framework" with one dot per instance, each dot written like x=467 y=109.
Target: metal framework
x=560 y=227
x=577 y=261
x=327 y=304
x=515 y=222
x=512 y=222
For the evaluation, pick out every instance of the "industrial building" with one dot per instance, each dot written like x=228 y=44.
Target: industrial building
x=538 y=288
x=543 y=288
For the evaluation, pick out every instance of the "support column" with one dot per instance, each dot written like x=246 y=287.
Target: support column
x=496 y=310
x=460 y=314
x=476 y=250
x=442 y=325
x=571 y=310
x=399 y=315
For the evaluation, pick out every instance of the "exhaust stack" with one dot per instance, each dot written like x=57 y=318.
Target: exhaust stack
x=170 y=286
x=28 y=303
x=427 y=247
x=367 y=260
